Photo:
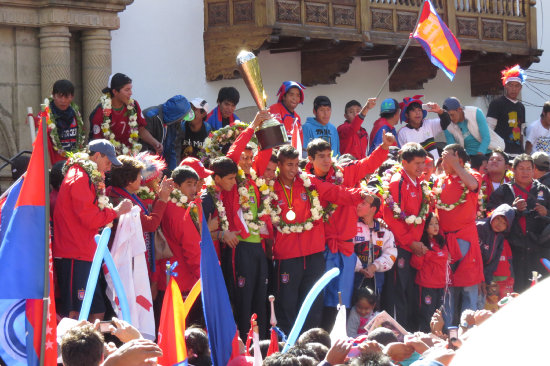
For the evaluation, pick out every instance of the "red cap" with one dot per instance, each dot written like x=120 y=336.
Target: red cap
x=197 y=166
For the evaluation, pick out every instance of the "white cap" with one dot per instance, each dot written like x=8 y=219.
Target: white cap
x=199 y=103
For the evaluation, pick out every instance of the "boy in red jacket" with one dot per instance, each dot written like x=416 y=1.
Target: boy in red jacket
x=354 y=139
x=456 y=200
x=405 y=209
x=340 y=229
x=299 y=244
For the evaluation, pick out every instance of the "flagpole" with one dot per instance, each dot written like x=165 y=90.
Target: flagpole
x=402 y=53
x=45 y=297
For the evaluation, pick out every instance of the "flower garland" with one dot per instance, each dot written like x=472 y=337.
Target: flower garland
x=106 y=105
x=177 y=197
x=145 y=193
x=384 y=189
x=222 y=215
x=83 y=160
x=449 y=207
x=264 y=206
x=224 y=136
x=54 y=134
x=483 y=197
x=338 y=179
x=316 y=210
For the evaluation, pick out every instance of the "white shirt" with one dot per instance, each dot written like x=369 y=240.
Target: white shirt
x=429 y=129
x=538 y=136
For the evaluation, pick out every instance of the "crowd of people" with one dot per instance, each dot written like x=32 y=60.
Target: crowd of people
x=430 y=235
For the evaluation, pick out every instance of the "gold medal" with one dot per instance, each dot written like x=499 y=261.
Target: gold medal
x=290 y=215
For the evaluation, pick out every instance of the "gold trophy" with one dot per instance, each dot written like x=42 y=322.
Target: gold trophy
x=271 y=133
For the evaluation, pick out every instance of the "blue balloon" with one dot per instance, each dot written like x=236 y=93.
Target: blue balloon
x=94 y=273
x=304 y=309
x=119 y=288
x=546 y=263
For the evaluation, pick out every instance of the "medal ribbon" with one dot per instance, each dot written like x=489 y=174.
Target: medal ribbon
x=288 y=200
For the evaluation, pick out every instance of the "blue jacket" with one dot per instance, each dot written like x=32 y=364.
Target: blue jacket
x=214 y=119
x=313 y=129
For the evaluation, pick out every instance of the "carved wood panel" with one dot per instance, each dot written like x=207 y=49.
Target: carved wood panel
x=243 y=12
x=317 y=13
x=406 y=21
x=382 y=19
x=288 y=11
x=218 y=13
x=343 y=15
x=492 y=29
x=467 y=27
x=516 y=31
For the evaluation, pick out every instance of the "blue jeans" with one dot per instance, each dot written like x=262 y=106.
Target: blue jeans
x=469 y=301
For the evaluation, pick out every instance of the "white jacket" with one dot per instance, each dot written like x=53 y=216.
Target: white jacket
x=379 y=247
x=128 y=253
x=471 y=119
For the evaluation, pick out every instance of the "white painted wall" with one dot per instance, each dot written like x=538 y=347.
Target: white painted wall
x=160 y=46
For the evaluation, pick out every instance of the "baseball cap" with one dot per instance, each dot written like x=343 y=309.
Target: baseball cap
x=388 y=105
x=197 y=166
x=104 y=147
x=200 y=103
x=541 y=159
x=451 y=103
x=176 y=108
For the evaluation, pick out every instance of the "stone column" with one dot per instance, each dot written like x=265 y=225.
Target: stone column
x=96 y=67
x=55 y=57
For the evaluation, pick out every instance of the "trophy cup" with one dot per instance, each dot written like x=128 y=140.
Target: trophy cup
x=271 y=133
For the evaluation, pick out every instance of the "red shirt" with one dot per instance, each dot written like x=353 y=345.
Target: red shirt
x=77 y=218
x=286 y=117
x=411 y=201
x=462 y=215
x=504 y=262
x=521 y=194
x=119 y=123
x=354 y=139
x=342 y=225
x=432 y=267
x=184 y=240
x=312 y=241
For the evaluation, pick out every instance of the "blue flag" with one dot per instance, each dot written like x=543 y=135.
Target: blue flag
x=220 y=324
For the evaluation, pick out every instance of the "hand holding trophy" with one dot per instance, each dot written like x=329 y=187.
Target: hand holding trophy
x=271 y=133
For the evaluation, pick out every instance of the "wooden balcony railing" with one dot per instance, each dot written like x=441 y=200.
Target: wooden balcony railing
x=372 y=29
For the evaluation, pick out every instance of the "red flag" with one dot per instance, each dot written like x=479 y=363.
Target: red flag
x=273 y=343
x=437 y=40
x=171 y=336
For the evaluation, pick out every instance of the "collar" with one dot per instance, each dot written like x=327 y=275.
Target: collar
x=413 y=181
x=412 y=128
x=511 y=100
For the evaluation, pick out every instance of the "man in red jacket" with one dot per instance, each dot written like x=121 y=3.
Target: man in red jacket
x=341 y=227
x=406 y=192
x=80 y=212
x=456 y=198
x=290 y=95
x=354 y=139
x=300 y=239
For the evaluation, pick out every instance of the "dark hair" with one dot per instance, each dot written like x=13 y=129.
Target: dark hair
x=273 y=158
x=382 y=335
x=183 y=173
x=228 y=93
x=63 y=87
x=346 y=159
x=503 y=154
x=302 y=163
x=372 y=359
x=128 y=172
x=413 y=105
x=376 y=203
x=351 y=103
x=249 y=147
x=545 y=108
x=56 y=174
x=264 y=347
x=319 y=349
x=117 y=82
x=197 y=340
x=82 y=346
x=412 y=150
x=302 y=350
x=439 y=238
x=521 y=158
x=388 y=164
x=476 y=161
x=286 y=359
x=315 y=335
x=460 y=151
x=19 y=166
x=364 y=293
x=317 y=145
x=222 y=166
x=321 y=101
x=287 y=152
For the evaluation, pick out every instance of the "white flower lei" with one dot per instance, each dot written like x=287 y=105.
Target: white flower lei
x=338 y=179
x=106 y=105
x=177 y=197
x=222 y=215
x=263 y=207
x=83 y=160
x=316 y=210
x=449 y=207
x=145 y=193
x=54 y=134
x=398 y=213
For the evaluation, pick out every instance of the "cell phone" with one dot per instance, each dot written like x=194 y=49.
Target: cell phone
x=453 y=334
x=104 y=326
x=427 y=106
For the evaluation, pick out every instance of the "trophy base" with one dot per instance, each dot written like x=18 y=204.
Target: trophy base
x=272 y=136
